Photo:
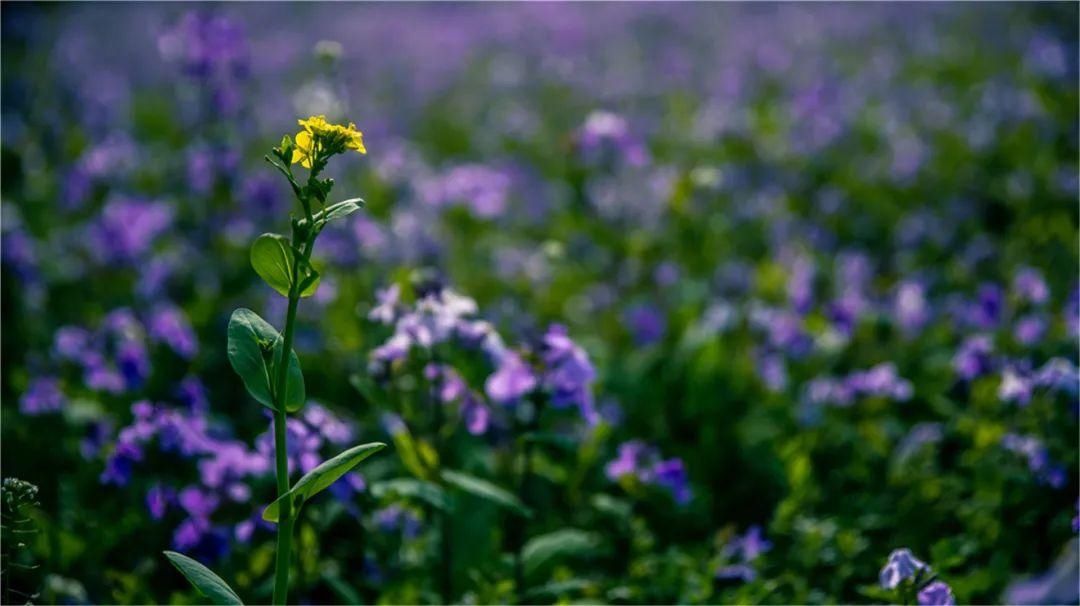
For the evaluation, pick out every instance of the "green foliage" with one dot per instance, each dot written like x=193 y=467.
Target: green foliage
x=254 y=348
x=487 y=491
x=273 y=258
x=542 y=551
x=204 y=580
x=325 y=474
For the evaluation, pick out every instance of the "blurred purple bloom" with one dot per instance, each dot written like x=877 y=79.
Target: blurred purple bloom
x=168 y=324
x=43 y=395
x=646 y=324
x=936 y=594
x=901 y=565
x=1029 y=329
x=973 y=357
x=157 y=500
x=910 y=307
x=510 y=381
x=127 y=228
x=1028 y=285
x=605 y=138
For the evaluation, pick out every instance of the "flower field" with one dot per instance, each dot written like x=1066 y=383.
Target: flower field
x=540 y=303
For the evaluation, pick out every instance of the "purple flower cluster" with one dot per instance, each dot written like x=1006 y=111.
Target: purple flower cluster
x=740 y=553
x=605 y=138
x=880 y=381
x=43 y=395
x=902 y=565
x=481 y=189
x=126 y=228
x=211 y=49
x=1038 y=459
x=640 y=463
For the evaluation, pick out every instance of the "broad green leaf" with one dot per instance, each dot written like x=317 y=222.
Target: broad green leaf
x=273 y=258
x=203 y=579
x=338 y=210
x=316 y=480
x=563 y=543
x=251 y=343
x=254 y=346
x=431 y=493
x=487 y=491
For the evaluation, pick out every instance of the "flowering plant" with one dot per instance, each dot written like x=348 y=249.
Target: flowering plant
x=264 y=358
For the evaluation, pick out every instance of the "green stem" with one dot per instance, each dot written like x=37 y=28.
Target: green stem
x=446 y=550
x=524 y=492
x=281 y=454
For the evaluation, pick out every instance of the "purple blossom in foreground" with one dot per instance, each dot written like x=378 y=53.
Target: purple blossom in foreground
x=43 y=395
x=901 y=565
x=936 y=594
x=910 y=307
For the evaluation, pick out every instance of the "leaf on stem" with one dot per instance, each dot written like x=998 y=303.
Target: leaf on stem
x=203 y=579
x=253 y=349
x=273 y=257
x=318 y=479
x=563 y=543
x=429 y=492
x=338 y=211
x=487 y=491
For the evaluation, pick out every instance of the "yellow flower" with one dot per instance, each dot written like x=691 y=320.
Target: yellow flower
x=319 y=137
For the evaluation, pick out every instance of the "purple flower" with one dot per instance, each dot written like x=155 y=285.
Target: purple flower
x=973 y=357
x=157 y=500
x=741 y=572
x=986 y=311
x=510 y=381
x=476 y=416
x=910 y=306
x=127 y=228
x=169 y=325
x=1029 y=329
x=482 y=189
x=43 y=395
x=671 y=475
x=646 y=324
x=605 y=138
x=133 y=362
x=901 y=565
x=1028 y=285
x=1014 y=387
x=568 y=373
x=71 y=342
x=386 y=310
x=936 y=594
x=197 y=502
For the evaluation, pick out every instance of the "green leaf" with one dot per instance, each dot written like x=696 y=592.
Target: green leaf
x=272 y=257
x=563 y=543
x=431 y=493
x=416 y=455
x=254 y=346
x=316 y=480
x=487 y=491
x=338 y=211
x=203 y=579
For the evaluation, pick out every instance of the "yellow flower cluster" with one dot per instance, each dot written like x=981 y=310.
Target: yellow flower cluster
x=319 y=136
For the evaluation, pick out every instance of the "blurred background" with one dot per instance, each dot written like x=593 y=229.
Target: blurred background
x=822 y=256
